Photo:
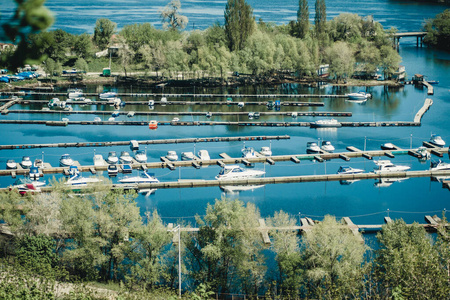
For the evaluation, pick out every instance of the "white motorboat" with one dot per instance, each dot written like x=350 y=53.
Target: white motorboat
x=140 y=156
x=312 y=147
x=112 y=158
x=125 y=157
x=437 y=140
x=163 y=101
x=98 y=160
x=65 y=160
x=34 y=173
x=97 y=119
x=151 y=102
x=107 y=95
x=203 y=155
x=231 y=172
x=209 y=114
x=74 y=93
x=388 y=146
x=251 y=115
x=248 y=152
x=187 y=155
x=143 y=178
x=439 y=166
x=114 y=102
x=11 y=164
x=38 y=163
x=327 y=146
x=241 y=104
x=22 y=182
x=172 y=155
x=113 y=170
x=266 y=151
x=359 y=96
x=79 y=180
x=26 y=162
x=130 y=114
x=111 y=119
x=326 y=123
x=53 y=102
x=423 y=152
x=256 y=115
x=294 y=114
x=344 y=170
x=115 y=114
x=73 y=170
x=386 y=166
x=176 y=119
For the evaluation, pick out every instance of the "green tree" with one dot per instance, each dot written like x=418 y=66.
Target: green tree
x=171 y=17
x=239 y=23
x=82 y=46
x=81 y=65
x=30 y=17
x=303 y=18
x=103 y=31
x=341 y=59
x=288 y=256
x=390 y=60
x=333 y=261
x=320 y=18
x=408 y=265
x=438 y=31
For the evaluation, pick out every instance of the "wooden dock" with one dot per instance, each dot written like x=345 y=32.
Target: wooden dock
x=430 y=89
x=422 y=110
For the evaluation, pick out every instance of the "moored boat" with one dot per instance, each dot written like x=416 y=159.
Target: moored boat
x=327 y=123
x=65 y=160
x=112 y=158
x=359 y=96
x=266 y=151
x=98 y=160
x=327 y=146
x=140 y=156
x=312 y=147
x=113 y=170
x=386 y=166
x=34 y=173
x=437 y=140
x=153 y=124
x=143 y=178
x=11 y=164
x=171 y=155
x=439 y=166
x=423 y=152
x=187 y=155
x=345 y=170
x=107 y=95
x=125 y=157
x=248 y=152
x=26 y=162
x=203 y=155
x=230 y=172
x=74 y=93
x=79 y=180
x=388 y=146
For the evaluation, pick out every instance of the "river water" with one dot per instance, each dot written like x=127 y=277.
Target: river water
x=365 y=201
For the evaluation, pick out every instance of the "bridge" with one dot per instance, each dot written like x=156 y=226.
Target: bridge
x=418 y=34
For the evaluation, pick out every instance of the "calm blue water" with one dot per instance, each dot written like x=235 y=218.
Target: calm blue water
x=364 y=201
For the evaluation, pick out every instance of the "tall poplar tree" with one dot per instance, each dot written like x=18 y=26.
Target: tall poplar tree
x=239 y=23
x=303 y=18
x=321 y=16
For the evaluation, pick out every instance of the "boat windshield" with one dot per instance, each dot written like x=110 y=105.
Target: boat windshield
x=112 y=154
x=225 y=171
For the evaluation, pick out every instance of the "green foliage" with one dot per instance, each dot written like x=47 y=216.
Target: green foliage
x=341 y=59
x=30 y=17
x=390 y=60
x=438 y=31
x=171 y=17
x=83 y=46
x=408 y=265
x=239 y=23
x=81 y=65
x=320 y=18
x=302 y=25
x=103 y=31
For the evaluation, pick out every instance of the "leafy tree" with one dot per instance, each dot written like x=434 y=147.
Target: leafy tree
x=346 y=27
x=303 y=18
x=341 y=59
x=438 y=31
x=288 y=256
x=103 y=31
x=82 y=46
x=320 y=18
x=215 y=35
x=239 y=23
x=30 y=17
x=333 y=260
x=407 y=264
x=390 y=60
x=81 y=65
x=171 y=17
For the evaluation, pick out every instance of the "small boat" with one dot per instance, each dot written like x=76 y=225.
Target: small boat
x=229 y=100
x=53 y=102
x=65 y=160
x=107 y=95
x=203 y=155
x=143 y=178
x=327 y=146
x=266 y=151
x=140 y=156
x=294 y=114
x=87 y=100
x=231 y=172
x=359 y=96
x=125 y=158
x=209 y=114
x=256 y=115
x=437 y=140
x=386 y=166
x=312 y=147
x=79 y=180
x=328 y=123
x=11 y=164
x=73 y=170
x=439 y=166
x=433 y=82
x=172 y=155
x=241 y=104
x=98 y=160
x=38 y=163
x=130 y=114
x=113 y=170
x=187 y=156
x=251 y=115
x=22 y=182
x=74 y=93
x=112 y=158
x=344 y=170
x=97 y=119
x=114 y=101
x=248 y=152
x=111 y=119
x=175 y=119
x=151 y=102
x=388 y=146
x=115 y=114
x=270 y=105
x=163 y=100
x=65 y=119
x=34 y=173
x=28 y=188
x=26 y=162
x=423 y=152
x=153 y=124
